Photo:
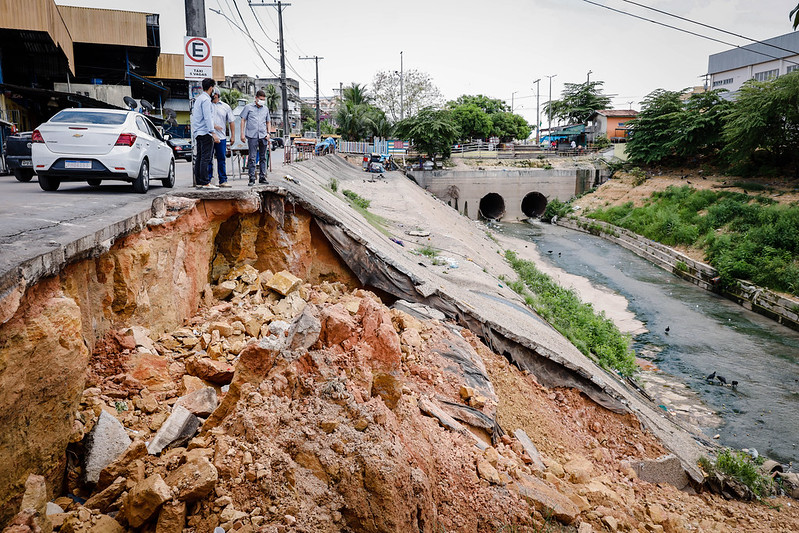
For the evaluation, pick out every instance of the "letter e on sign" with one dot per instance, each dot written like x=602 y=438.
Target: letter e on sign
x=197 y=60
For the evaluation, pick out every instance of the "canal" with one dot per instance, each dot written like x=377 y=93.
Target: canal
x=706 y=334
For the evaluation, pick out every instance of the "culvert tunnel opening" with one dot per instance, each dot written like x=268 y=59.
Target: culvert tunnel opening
x=492 y=206
x=534 y=204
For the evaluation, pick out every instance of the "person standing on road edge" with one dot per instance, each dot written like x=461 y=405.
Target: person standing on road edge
x=255 y=124
x=202 y=128
x=223 y=116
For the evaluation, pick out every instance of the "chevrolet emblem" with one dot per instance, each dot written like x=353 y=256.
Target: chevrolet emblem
x=77 y=135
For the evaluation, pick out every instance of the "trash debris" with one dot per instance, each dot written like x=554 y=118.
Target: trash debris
x=418 y=233
x=395 y=240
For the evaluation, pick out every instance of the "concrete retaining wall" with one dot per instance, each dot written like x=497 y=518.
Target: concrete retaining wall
x=763 y=301
x=463 y=190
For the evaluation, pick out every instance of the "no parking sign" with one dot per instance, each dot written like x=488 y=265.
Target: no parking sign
x=197 y=60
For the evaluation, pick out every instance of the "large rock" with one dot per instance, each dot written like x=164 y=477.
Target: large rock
x=284 y=282
x=194 y=479
x=252 y=366
x=172 y=518
x=546 y=499
x=145 y=499
x=337 y=325
x=304 y=330
x=219 y=372
x=101 y=500
x=120 y=465
x=379 y=340
x=180 y=426
x=35 y=498
x=107 y=441
x=200 y=403
x=579 y=470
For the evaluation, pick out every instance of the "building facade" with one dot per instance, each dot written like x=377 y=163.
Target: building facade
x=761 y=61
x=612 y=123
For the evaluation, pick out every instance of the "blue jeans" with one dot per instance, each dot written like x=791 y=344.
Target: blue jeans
x=258 y=148
x=205 y=147
x=221 y=165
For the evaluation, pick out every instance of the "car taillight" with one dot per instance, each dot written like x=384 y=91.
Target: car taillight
x=126 y=139
x=36 y=137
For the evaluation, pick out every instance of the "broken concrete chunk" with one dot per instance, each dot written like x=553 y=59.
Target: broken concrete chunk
x=547 y=500
x=200 y=403
x=119 y=466
x=181 y=425
x=194 y=480
x=107 y=440
x=420 y=311
x=145 y=499
x=529 y=448
x=278 y=328
x=304 y=330
x=665 y=469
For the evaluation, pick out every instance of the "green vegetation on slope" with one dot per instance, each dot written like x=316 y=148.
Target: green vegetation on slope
x=593 y=334
x=746 y=237
x=740 y=466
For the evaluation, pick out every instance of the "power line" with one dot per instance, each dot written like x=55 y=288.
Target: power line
x=710 y=27
x=682 y=30
x=254 y=43
x=247 y=31
x=259 y=24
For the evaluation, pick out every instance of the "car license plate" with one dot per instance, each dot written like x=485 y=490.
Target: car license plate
x=27 y=163
x=77 y=164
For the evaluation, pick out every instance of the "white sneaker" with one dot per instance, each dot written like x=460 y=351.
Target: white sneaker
x=207 y=186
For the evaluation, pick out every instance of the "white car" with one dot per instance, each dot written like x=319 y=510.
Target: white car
x=92 y=145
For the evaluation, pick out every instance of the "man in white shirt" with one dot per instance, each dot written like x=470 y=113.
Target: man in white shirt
x=223 y=116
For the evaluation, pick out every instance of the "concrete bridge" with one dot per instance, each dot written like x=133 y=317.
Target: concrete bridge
x=507 y=194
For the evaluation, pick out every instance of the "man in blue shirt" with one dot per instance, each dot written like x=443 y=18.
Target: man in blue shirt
x=255 y=124
x=202 y=129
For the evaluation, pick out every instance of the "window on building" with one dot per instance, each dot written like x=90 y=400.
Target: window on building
x=719 y=83
x=791 y=68
x=767 y=75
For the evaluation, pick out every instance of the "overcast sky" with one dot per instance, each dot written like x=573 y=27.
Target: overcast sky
x=495 y=48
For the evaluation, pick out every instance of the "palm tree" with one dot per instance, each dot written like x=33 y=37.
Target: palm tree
x=357 y=94
x=231 y=97
x=272 y=98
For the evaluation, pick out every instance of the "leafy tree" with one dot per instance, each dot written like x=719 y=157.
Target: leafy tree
x=795 y=14
x=765 y=121
x=653 y=128
x=508 y=126
x=272 y=98
x=699 y=125
x=473 y=122
x=357 y=94
x=418 y=91
x=578 y=101
x=308 y=117
x=231 y=97
x=357 y=118
x=433 y=131
x=488 y=105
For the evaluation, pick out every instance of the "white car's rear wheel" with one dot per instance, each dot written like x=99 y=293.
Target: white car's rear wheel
x=49 y=184
x=142 y=183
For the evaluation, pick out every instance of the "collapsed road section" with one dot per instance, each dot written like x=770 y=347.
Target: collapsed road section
x=191 y=252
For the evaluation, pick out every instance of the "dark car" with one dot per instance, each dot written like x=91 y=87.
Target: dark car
x=18 y=156
x=276 y=142
x=181 y=148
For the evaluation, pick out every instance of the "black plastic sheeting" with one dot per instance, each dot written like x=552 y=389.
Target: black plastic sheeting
x=373 y=271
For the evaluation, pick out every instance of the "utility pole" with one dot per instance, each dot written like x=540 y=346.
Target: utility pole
x=283 y=91
x=588 y=77
x=318 y=126
x=402 y=95
x=537 y=114
x=512 y=96
x=195 y=18
x=550 y=106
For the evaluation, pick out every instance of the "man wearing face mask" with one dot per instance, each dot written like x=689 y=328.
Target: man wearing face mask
x=255 y=124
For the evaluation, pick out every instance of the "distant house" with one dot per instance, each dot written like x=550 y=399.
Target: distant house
x=612 y=123
x=761 y=61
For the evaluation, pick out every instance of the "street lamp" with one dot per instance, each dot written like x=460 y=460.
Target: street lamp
x=511 y=100
x=550 y=106
x=537 y=115
x=402 y=99
x=588 y=76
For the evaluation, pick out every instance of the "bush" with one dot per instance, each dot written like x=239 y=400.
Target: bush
x=601 y=142
x=333 y=184
x=357 y=200
x=741 y=467
x=556 y=208
x=427 y=251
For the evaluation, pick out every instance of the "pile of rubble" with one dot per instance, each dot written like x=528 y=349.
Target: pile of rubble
x=283 y=406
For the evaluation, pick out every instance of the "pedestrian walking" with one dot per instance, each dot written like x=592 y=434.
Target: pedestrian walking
x=255 y=125
x=202 y=128
x=223 y=117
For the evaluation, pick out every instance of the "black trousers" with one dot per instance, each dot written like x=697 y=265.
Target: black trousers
x=205 y=151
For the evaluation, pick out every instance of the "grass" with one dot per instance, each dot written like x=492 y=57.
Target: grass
x=361 y=205
x=428 y=251
x=748 y=237
x=356 y=199
x=333 y=184
x=741 y=467
x=592 y=333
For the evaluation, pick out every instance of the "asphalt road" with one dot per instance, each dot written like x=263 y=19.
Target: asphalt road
x=34 y=222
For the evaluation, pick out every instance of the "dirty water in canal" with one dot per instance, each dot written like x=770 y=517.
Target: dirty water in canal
x=706 y=334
